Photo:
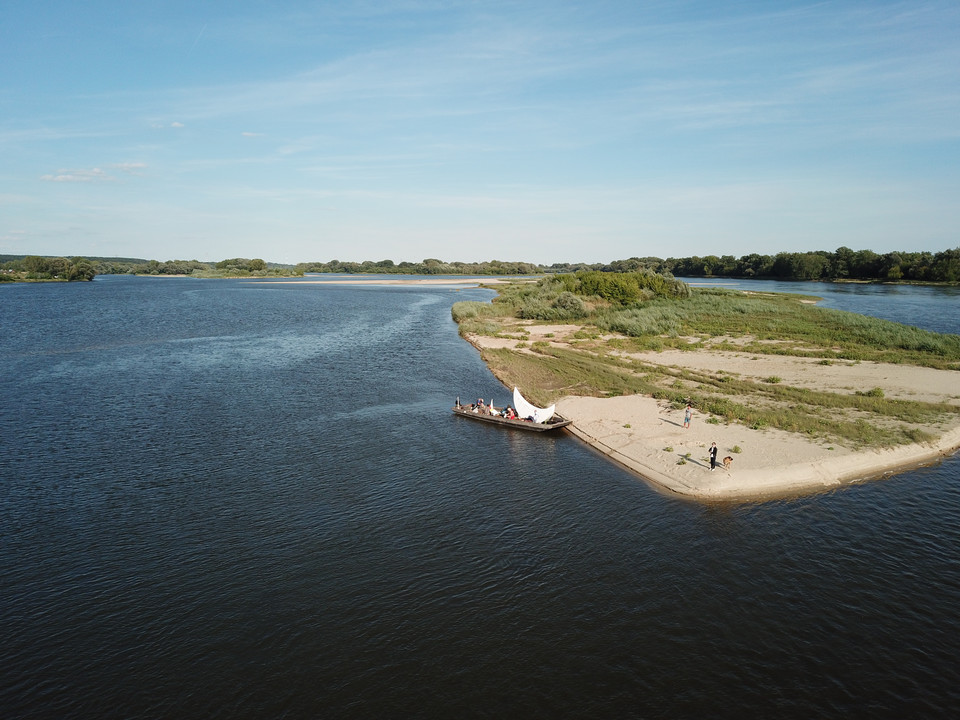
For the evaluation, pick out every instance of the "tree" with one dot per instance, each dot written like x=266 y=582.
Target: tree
x=842 y=261
x=946 y=266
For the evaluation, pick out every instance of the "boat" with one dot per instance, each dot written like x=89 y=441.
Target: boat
x=531 y=417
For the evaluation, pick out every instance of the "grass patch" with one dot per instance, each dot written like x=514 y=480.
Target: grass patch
x=768 y=324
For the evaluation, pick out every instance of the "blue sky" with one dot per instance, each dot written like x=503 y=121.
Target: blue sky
x=536 y=131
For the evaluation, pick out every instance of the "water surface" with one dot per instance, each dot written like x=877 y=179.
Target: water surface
x=231 y=499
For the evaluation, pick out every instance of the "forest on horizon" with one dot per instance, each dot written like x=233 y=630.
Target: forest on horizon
x=819 y=265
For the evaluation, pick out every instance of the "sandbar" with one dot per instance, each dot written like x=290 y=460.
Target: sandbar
x=647 y=436
x=397 y=281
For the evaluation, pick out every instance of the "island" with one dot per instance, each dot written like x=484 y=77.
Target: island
x=797 y=398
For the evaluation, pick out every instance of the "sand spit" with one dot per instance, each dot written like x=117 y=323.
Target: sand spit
x=647 y=436
x=397 y=281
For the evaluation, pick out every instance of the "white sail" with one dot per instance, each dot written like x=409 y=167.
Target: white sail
x=525 y=409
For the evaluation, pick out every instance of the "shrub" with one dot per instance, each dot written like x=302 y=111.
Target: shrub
x=570 y=305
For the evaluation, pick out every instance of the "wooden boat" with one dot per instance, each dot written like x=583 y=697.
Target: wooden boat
x=543 y=419
x=557 y=421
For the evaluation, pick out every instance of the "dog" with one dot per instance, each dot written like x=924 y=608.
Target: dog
x=727 y=462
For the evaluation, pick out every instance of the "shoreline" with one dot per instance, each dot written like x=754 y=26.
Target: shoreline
x=398 y=281
x=772 y=464
x=647 y=437
x=293 y=280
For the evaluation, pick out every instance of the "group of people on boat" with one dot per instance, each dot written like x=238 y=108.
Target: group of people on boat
x=480 y=408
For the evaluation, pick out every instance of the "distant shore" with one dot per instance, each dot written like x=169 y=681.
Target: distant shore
x=398 y=281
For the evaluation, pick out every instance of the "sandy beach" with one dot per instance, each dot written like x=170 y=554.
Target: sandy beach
x=647 y=436
x=398 y=281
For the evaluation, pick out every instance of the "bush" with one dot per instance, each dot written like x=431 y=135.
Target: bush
x=570 y=305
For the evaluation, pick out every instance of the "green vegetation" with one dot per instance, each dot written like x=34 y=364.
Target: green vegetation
x=37 y=269
x=232 y=268
x=843 y=264
x=623 y=316
x=430 y=266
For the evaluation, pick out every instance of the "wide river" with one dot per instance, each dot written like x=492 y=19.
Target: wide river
x=229 y=499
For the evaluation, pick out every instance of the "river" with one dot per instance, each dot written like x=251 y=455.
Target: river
x=229 y=499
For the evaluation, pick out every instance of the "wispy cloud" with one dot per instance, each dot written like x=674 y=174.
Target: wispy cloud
x=94 y=175
x=77 y=176
x=131 y=168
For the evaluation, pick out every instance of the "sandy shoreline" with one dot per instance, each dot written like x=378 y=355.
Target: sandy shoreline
x=647 y=436
x=397 y=281
x=771 y=463
x=401 y=280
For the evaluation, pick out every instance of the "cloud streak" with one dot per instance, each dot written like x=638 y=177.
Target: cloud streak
x=94 y=175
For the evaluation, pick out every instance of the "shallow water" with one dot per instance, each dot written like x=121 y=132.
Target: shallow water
x=229 y=499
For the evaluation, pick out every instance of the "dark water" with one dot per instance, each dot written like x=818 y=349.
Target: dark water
x=224 y=499
x=930 y=307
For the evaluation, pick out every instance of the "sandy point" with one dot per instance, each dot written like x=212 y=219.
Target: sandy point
x=647 y=437
x=396 y=281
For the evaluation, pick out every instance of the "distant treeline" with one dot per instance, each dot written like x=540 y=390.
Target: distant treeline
x=430 y=266
x=33 y=267
x=233 y=267
x=842 y=264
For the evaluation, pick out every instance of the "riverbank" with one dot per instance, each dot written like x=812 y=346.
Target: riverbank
x=647 y=436
x=473 y=281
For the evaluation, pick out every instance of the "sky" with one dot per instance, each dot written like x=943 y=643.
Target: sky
x=467 y=130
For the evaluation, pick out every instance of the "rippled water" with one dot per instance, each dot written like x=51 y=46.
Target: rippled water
x=229 y=499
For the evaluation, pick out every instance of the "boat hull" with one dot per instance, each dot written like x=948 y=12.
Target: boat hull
x=555 y=423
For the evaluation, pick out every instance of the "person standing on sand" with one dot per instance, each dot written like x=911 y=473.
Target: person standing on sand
x=686 y=416
x=713 y=456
